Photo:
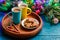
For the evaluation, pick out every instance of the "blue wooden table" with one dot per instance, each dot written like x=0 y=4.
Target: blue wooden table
x=48 y=32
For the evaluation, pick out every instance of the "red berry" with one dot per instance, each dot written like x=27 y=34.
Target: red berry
x=37 y=11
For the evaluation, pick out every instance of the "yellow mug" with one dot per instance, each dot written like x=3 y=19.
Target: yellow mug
x=25 y=11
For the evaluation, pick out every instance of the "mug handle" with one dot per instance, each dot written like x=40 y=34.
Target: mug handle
x=9 y=15
x=10 y=18
x=29 y=11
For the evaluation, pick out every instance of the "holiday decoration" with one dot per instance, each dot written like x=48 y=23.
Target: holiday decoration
x=52 y=12
x=5 y=5
x=55 y=20
x=38 y=6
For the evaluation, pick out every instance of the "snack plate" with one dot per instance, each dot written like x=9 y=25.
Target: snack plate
x=29 y=28
x=17 y=30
